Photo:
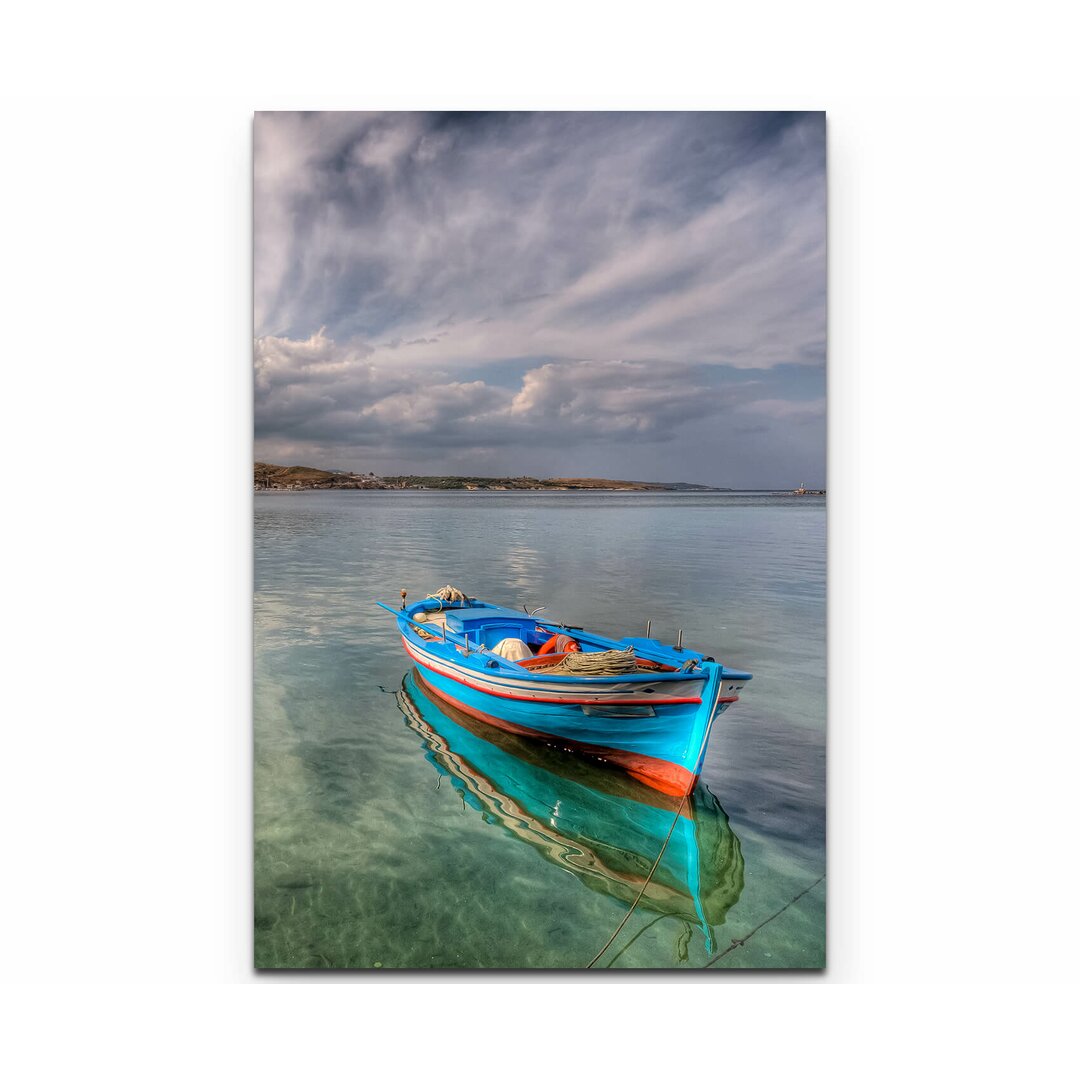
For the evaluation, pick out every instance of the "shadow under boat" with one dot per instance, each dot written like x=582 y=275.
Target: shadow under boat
x=593 y=820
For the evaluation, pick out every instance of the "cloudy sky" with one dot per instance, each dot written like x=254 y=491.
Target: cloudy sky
x=634 y=296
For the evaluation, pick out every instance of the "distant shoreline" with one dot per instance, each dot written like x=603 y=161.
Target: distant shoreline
x=302 y=478
x=775 y=492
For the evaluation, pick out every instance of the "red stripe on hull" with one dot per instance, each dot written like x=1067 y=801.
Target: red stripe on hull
x=598 y=700
x=663 y=776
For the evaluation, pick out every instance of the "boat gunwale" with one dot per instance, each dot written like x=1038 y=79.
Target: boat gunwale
x=558 y=680
x=508 y=669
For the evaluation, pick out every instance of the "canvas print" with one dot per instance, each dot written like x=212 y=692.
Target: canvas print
x=539 y=540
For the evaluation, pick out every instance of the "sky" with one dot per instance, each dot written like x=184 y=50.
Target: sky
x=635 y=296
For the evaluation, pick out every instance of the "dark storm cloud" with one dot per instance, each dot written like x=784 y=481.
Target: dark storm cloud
x=614 y=262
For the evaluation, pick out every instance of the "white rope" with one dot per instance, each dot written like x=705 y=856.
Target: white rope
x=448 y=594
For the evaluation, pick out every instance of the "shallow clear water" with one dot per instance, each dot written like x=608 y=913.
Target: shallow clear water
x=389 y=833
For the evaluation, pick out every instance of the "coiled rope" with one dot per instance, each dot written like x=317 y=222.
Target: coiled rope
x=448 y=594
x=596 y=664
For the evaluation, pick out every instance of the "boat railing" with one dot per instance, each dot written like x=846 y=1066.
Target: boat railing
x=607 y=643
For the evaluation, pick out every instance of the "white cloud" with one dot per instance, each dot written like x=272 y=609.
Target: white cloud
x=318 y=390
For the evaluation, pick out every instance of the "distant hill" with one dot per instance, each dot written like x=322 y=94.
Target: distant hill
x=302 y=478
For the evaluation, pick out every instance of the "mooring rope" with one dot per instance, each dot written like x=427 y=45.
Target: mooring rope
x=736 y=942
x=633 y=906
x=647 y=926
x=667 y=839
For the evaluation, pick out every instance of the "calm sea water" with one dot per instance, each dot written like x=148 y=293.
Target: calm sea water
x=390 y=832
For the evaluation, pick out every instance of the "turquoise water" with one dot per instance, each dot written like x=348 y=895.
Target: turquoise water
x=391 y=833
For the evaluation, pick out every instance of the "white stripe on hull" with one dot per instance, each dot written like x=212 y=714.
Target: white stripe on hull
x=650 y=693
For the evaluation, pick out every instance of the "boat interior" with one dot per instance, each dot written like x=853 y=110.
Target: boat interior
x=542 y=644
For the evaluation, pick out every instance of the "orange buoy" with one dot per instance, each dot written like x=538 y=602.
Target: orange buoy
x=558 y=643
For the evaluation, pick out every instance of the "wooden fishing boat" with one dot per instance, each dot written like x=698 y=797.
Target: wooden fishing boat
x=634 y=702
x=592 y=820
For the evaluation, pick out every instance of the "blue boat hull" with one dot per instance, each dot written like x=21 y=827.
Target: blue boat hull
x=651 y=718
x=663 y=751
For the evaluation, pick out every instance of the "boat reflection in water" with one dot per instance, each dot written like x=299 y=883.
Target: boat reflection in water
x=595 y=821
